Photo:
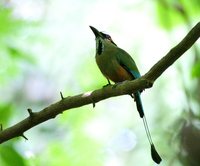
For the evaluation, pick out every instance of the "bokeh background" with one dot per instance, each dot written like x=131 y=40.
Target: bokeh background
x=46 y=47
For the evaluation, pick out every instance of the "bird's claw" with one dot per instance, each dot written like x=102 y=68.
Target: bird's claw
x=118 y=83
x=107 y=85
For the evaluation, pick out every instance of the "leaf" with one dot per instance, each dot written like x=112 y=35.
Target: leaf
x=196 y=70
x=17 y=53
x=9 y=156
x=9 y=24
x=171 y=13
x=5 y=112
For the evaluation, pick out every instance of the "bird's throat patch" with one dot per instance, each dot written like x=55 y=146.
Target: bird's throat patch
x=100 y=47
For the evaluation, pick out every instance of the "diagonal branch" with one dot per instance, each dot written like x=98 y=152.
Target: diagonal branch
x=174 y=54
x=95 y=96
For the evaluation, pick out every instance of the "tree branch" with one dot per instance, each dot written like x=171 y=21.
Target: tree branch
x=174 y=54
x=93 y=97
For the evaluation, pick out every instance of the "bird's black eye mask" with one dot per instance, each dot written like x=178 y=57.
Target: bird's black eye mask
x=106 y=36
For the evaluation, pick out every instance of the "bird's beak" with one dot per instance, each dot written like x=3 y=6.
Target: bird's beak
x=95 y=31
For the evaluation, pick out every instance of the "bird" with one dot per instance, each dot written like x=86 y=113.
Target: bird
x=118 y=66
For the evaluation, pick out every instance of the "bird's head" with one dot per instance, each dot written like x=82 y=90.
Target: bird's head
x=102 y=40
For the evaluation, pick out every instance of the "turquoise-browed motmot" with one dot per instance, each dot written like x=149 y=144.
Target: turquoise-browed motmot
x=117 y=65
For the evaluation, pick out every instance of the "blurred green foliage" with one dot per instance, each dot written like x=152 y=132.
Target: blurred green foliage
x=10 y=156
x=5 y=112
x=9 y=25
x=11 y=53
x=11 y=56
x=196 y=70
x=171 y=13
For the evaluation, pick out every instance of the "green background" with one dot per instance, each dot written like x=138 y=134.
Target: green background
x=46 y=47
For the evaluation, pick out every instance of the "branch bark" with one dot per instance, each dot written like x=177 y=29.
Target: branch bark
x=95 y=96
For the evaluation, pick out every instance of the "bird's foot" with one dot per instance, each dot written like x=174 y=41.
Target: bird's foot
x=118 y=83
x=107 y=85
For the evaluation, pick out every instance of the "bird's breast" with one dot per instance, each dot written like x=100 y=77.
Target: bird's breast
x=112 y=69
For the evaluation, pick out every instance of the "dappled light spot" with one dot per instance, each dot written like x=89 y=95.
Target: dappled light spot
x=86 y=94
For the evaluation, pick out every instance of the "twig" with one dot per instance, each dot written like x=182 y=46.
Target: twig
x=30 y=112
x=24 y=137
x=61 y=95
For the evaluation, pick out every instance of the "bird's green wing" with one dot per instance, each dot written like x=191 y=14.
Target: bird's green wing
x=127 y=62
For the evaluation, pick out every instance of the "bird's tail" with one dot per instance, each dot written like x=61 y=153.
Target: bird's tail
x=154 y=154
x=139 y=104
